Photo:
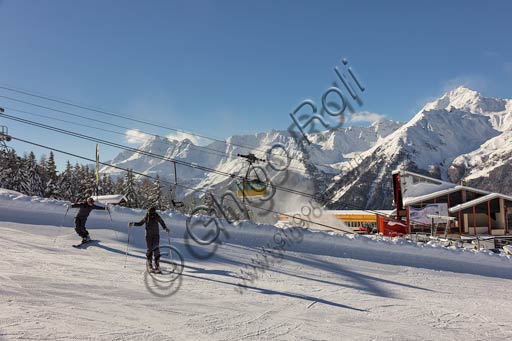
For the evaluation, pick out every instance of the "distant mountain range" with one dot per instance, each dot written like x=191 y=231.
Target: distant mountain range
x=460 y=136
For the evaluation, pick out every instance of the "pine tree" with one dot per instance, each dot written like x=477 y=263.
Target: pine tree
x=43 y=160
x=51 y=168
x=106 y=185
x=10 y=170
x=129 y=189
x=32 y=180
x=51 y=179
x=145 y=189
x=119 y=185
x=155 y=196
x=75 y=182
x=65 y=190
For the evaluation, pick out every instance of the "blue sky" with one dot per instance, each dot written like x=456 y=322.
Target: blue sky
x=230 y=67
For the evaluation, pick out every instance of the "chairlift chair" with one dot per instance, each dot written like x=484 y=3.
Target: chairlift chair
x=251 y=185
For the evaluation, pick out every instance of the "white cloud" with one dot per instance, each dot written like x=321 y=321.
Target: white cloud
x=473 y=82
x=365 y=116
x=197 y=140
x=135 y=136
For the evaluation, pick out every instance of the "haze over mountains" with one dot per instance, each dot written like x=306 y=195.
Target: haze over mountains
x=460 y=136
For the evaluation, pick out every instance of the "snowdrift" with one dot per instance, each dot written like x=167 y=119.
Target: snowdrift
x=19 y=208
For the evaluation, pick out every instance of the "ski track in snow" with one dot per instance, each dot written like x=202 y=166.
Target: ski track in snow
x=52 y=291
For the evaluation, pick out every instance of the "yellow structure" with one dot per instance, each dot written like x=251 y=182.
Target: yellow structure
x=356 y=220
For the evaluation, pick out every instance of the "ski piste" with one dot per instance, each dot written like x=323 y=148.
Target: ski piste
x=85 y=243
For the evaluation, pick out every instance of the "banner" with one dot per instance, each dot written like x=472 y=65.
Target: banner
x=421 y=215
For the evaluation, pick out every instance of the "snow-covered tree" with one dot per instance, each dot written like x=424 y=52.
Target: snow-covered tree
x=50 y=178
x=119 y=185
x=31 y=173
x=130 y=189
x=64 y=183
x=106 y=185
x=10 y=171
x=155 y=196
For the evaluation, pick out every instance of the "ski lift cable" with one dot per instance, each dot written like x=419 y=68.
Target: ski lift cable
x=203 y=149
x=165 y=181
x=187 y=164
x=207 y=169
x=149 y=154
x=138 y=151
x=218 y=152
x=128 y=118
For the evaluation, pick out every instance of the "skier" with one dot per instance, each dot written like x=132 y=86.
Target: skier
x=85 y=209
x=152 y=219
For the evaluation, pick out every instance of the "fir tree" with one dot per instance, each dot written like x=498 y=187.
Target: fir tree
x=31 y=173
x=155 y=196
x=119 y=185
x=10 y=170
x=64 y=183
x=144 y=193
x=129 y=189
x=106 y=187
x=51 y=179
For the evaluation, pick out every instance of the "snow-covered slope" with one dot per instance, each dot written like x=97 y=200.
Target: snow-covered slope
x=326 y=286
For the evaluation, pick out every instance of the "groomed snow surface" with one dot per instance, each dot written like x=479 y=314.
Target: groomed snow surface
x=327 y=287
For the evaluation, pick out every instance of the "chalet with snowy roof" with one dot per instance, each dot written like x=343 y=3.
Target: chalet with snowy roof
x=422 y=201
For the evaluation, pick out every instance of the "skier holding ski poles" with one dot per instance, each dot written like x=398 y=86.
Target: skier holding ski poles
x=152 y=219
x=85 y=209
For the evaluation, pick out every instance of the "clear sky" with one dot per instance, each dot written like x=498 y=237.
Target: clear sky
x=230 y=67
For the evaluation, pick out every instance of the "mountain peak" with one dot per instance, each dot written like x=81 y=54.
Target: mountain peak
x=462 y=95
x=465 y=99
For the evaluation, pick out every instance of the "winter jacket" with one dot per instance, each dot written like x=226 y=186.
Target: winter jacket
x=151 y=221
x=85 y=210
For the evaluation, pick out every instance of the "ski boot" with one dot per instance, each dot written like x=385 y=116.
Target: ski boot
x=157 y=267
x=150 y=266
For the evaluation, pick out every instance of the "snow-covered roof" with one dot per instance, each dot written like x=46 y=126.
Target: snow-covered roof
x=349 y=212
x=480 y=200
x=414 y=200
x=110 y=199
x=362 y=212
x=418 y=188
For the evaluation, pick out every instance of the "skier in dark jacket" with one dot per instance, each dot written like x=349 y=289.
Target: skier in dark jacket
x=152 y=219
x=85 y=209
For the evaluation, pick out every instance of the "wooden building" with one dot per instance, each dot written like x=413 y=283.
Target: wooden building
x=475 y=211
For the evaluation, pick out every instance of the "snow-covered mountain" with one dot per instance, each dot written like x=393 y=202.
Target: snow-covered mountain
x=323 y=160
x=460 y=136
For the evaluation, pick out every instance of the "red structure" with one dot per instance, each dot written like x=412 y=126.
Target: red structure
x=391 y=227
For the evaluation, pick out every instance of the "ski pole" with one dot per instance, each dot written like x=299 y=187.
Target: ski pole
x=169 y=240
x=63 y=219
x=110 y=215
x=127 y=244
x=112 y=222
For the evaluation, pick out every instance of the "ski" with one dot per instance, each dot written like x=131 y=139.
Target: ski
x=84 y=243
